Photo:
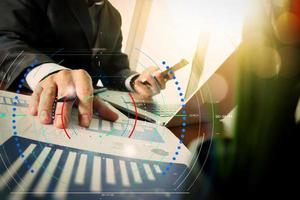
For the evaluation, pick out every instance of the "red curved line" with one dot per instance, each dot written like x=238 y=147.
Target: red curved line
x=62 y=119
x=136 y=115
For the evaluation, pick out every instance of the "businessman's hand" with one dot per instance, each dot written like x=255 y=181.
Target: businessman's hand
x=68 y=83
x=155 y=82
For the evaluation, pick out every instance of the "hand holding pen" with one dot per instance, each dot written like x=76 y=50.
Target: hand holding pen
x=65 y=86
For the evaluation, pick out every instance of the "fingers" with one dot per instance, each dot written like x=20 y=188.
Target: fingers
x=63 y=114
x=155 y=79
x=65 y=88
x=104 y=111
x=142 y=90
x=34 y=100
x=47 y=99
x=161 y=80
x=169 y=76
x=84 y=91
x=154 y=85
x=152 y=79
x=69 y=83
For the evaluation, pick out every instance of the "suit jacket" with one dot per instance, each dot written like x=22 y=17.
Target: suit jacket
x=33 y=32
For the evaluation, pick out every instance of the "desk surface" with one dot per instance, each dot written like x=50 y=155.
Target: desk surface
x=74 y=160
x=193 y=131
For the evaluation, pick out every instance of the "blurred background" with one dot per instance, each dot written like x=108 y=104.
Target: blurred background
x=203 y=32
x=258 y=150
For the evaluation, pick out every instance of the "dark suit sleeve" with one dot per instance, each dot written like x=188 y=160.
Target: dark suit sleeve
x=120 y=63
x=19 y=27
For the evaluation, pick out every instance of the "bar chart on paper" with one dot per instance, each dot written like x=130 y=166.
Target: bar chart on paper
x=123 y=129
x=39 y=162
x=60 y=172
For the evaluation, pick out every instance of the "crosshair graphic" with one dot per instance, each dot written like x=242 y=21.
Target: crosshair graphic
x=183 y=130
x=14 y=127
x=184 y=118
x=131 y=132
x=135 y=122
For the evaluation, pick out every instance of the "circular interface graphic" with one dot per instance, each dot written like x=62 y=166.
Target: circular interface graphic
x=44 y=159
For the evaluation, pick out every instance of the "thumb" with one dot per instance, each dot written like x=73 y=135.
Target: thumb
x=104 y=111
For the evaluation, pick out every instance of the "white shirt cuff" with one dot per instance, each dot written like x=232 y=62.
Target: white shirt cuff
x=128 y=81
x=40 y=72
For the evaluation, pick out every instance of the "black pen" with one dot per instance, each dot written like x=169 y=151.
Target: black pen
x=73 y=98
